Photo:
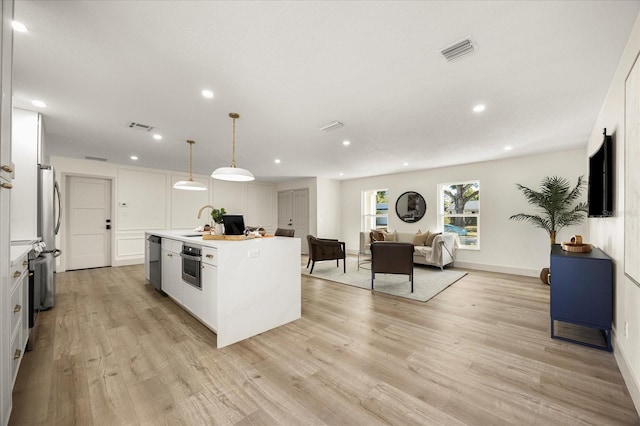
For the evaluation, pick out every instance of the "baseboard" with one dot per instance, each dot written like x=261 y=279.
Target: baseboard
x=484 y=267
x=127 y=262
x=627 y=374
x=497 y=268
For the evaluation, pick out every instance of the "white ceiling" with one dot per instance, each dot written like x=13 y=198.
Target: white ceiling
x=289 y=68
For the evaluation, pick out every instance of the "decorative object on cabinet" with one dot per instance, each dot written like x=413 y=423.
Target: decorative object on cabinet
x=233 y=173
x=411 y=207
x=190 y=184
x=631 y=175
x=576 y=245
x=581 y=293
x=554 y=198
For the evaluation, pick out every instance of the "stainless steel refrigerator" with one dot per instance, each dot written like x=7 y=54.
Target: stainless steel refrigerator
x=49 y=213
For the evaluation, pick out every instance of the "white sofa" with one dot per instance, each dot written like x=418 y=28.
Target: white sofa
x=441 y=253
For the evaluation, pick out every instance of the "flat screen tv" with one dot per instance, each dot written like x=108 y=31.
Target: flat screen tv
x=233 y=224
x=600 y=194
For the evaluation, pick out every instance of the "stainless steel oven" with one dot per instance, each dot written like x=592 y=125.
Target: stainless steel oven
x=191 y=264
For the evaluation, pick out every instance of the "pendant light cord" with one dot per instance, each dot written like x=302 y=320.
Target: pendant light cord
x=190 y=159
x=233 y=139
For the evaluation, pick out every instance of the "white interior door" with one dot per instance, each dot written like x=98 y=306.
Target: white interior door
x=88 y=218
x=293 y=213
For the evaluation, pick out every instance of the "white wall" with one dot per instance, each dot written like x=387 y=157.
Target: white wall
x=329 y=211
x=608 y=233
x=144 y=199
x=506 y=245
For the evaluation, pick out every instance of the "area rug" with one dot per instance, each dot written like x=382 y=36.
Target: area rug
x=427 y=281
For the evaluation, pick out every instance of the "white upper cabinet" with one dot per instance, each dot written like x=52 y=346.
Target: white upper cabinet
x=24 y=153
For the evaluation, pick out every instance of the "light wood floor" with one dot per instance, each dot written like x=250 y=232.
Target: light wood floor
x=113 y=351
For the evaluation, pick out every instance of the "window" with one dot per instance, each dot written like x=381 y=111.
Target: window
x=460 y=211
x=375 y=209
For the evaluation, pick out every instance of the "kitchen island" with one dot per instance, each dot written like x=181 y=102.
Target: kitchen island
x=246 y=287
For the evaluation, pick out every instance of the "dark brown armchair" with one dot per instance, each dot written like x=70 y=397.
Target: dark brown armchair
x=281 y=232
x=326 y=249
x=391 y=258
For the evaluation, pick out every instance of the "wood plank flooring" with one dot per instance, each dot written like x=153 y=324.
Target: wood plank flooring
x=114 y=351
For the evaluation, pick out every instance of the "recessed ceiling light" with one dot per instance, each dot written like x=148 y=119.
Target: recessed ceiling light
x=405 y=164
x=346 y=143
x=133 y=157
x=38 y=103
x=508 y=148
x=277 y=161
x=207 y=94
x=479 y=108
x=341 y=174
x=19 y=27
x=157 y=137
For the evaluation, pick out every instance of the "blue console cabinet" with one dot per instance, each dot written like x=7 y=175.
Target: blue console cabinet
x=581 y=291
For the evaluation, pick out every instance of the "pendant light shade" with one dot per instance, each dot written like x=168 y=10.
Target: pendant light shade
x=233 y=173
x=190 y=185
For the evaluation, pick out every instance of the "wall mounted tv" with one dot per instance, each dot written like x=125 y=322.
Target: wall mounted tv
x=601 y=178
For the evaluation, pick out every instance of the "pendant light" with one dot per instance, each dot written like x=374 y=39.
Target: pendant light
x=233 y=173
x=190 y=185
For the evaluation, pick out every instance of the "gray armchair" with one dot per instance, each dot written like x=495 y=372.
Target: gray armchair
x=326 y=249
x=389 y=257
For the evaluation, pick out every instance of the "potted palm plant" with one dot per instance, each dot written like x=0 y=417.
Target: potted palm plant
x=554 y=200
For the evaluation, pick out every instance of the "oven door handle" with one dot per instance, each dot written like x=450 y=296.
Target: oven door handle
x=189 y=257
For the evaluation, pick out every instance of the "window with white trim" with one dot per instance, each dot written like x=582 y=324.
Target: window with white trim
x=459 y=212
x=375 y=209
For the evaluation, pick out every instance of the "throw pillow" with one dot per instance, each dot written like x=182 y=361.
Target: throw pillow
x=419 y=239
x=430 y=238
x=389 y=236
x=376 y=236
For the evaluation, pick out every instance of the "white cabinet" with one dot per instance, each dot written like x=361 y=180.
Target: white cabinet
x=6 y=65
x=192 y=298
x=18 y=310
x=172 y=269
x=210 y=287
x=25 y=140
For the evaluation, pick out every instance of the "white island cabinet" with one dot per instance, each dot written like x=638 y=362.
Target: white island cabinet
x=247 y=287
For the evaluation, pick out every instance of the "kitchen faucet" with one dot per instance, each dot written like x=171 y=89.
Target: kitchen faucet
x=202 y=208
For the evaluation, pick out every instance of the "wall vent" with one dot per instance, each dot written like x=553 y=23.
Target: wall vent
x=140 y=126
x=88 y=157
x=456 y=50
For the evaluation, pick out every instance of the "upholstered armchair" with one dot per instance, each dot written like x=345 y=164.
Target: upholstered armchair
x=281 y=232
x=389 y=257
x=326 y=249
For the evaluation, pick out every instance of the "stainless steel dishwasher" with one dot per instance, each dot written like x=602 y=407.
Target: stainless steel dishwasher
x=155 y=261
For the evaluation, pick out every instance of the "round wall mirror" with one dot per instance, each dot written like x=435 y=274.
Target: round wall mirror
x=411 y=207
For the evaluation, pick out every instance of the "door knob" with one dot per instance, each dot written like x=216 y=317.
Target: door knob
x=17 y=309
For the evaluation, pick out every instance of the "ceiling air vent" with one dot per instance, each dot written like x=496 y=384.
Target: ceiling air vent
x=88 y=157
x=458 y=49
x=332 y=126
x=140 y=126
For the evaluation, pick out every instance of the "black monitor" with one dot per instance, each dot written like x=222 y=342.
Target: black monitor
x=233 y=224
